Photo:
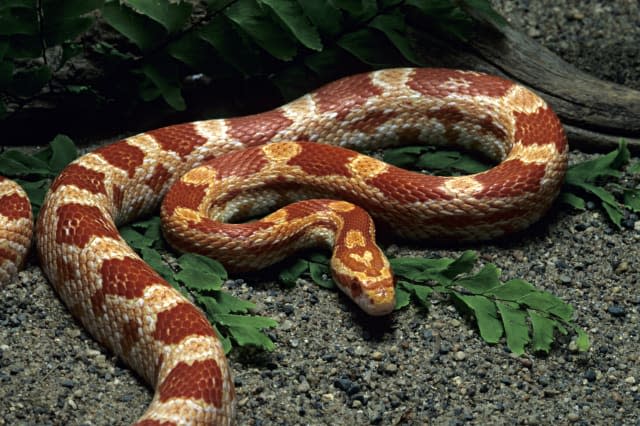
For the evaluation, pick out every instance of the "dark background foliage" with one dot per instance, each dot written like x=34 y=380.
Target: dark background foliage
x=69 y=64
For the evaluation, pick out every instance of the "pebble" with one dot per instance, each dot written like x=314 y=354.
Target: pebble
x=390 y=368
x=622 y=267
x=377 y=355
x=459 y=356
x=616 y=310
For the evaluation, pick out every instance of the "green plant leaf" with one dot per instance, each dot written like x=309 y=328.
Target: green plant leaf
x=63 y=152
x=153 y=258
x=482 y=11
x=290 y=14
x=321 y=275
x=631 y=199
x=289 y=275
x=486 y=315
x=370 y=47
x=514 y=321
x=141 y=30
x=403 y=297
x=171 y=15
x=248 y=15
x=542 y=331
x=582 y=341
x=394 y=27
x=405 y=156
x=359 y=10
x=483 y=281
x=546 y=302
x=324 y=16
x=573 y=200
x=168 y=86
x=421 y=292
x=231 y=45
x=512 y=290
x=245 y=330
x=200 y=272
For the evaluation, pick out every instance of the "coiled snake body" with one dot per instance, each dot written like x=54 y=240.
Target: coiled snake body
x=130 y=309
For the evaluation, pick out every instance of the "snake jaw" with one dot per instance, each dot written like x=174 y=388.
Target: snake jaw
x=372 y=290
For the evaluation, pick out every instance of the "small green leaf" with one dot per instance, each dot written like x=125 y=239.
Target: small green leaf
x=515 y=326
x=142 y=31
x=483 y=281
x=224 y=340
x=573 y=200
x=615 y=213
x=582 y=341
x=153 y=258
x=289 y=275
x=482 y=11
x=246 y=329
x=546 y=302
x=394 y=27
x=631 y=199
x=168 y=86
x=321 y=275
x=512 y=290
x=63 y=152
x=360 y=10
x=136 y=240
x=200 y=272
x=325 y=16
x=370 y=47
x=603 y=166
x=171 y=15
x=65 y=29
x=421 y=292
x=290 y=14
x=445 y=162
x=248 y=15
x=542 y=331
x=19 y=21
x=231 y=45
x=403 y=297
x=404 y=157
x=463 y=264
x=486 y=316
x=249 y=336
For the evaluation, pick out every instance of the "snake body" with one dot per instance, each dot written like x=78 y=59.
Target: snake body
x=130 y=309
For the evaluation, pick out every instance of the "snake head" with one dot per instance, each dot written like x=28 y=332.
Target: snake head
x=366 y=278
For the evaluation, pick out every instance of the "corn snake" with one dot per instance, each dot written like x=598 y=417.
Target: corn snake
x=125 y=180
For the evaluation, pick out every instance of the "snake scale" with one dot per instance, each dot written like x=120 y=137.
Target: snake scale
x=227 y=169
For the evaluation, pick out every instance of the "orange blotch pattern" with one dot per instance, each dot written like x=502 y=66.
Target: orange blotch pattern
x=201 y=380
x=82 y=178
x=15 y=206
x=180 y=138
x=540 y=128
x=78 y=224
x=123 y=156
x=257 y=129
x=511 y=178
x=181 y=321
x=345 y=95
